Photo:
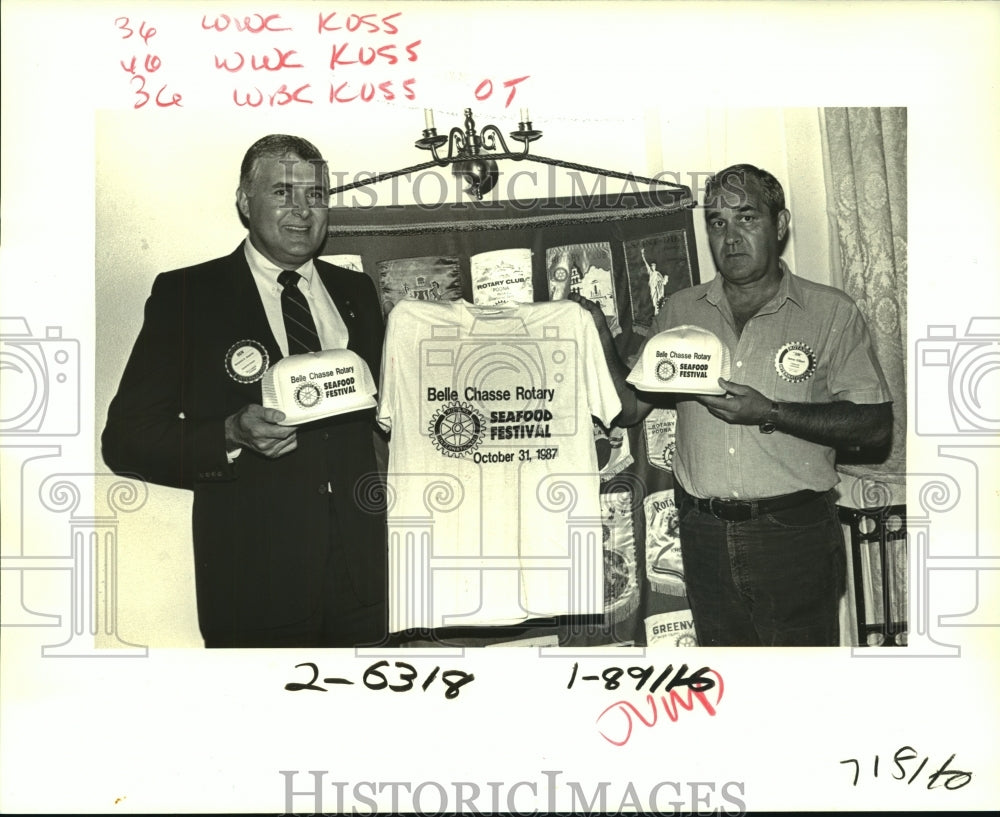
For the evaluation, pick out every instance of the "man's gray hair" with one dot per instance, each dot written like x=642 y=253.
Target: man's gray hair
x=276 y=146
x=731 y=183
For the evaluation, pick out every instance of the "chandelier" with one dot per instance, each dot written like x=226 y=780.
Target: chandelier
x=471 y=154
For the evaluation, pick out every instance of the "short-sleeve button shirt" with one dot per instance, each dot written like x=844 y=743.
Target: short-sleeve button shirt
x=808 y=344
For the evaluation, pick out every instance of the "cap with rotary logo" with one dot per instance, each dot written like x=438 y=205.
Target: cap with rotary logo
x=686 y=359
x=315 y=385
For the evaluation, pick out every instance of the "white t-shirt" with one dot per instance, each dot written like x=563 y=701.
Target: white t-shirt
x=493 y=509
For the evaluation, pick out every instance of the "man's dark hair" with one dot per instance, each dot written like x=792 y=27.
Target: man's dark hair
x=276 y=146
x=730 y=185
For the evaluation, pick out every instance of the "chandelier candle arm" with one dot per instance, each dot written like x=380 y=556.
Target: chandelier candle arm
x=473 y=153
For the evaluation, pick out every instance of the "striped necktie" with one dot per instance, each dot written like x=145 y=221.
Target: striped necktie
x=299 y=325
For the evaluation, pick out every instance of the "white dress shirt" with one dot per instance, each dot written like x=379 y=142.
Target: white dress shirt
x=330 y=326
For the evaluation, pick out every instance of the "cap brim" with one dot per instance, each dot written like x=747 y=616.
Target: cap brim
x=329 y=411
x=661 y=388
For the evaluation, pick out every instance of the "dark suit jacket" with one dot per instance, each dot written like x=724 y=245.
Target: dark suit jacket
x=262 y=528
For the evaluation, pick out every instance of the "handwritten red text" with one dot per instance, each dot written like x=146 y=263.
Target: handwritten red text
x=277 y=99
x=669 y=704
x=485 y=89
x=363 y=58
x=263 y=62
x=252 y=23
x=151 y=63
x=346 y=54
x=358 y=22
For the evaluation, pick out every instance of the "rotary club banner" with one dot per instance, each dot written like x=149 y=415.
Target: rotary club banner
x=628 y=253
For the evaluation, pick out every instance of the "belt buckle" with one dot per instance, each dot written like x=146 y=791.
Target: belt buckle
x=711 y=508
x=740 y=510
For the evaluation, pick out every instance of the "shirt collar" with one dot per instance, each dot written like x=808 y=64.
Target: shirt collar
x=788 y=289
x=262 y=268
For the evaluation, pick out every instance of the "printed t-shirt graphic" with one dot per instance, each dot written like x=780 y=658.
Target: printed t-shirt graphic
x=494 y=508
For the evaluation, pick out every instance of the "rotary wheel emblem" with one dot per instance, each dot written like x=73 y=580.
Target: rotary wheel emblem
x=666 y=370
x=686 y=641
x=668 y=455
x=456 y=429
x=307 y=395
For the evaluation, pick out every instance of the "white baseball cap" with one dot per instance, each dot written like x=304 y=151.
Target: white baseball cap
x=315 y=385
x=685 y=359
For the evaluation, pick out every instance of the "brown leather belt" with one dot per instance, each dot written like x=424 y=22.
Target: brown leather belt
x=742 y=510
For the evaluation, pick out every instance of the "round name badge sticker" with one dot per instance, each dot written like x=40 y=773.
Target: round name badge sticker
x=246 y=361
x=666 y=370
x=795 y=362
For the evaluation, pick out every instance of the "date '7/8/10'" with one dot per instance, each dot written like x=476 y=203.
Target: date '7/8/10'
x=950 y=778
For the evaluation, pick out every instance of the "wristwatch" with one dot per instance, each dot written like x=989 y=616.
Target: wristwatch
x=768 y=425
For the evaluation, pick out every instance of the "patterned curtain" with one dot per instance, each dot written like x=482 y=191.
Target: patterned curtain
x=866 y=185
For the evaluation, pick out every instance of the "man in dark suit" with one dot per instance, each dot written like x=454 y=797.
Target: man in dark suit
x=288 y=528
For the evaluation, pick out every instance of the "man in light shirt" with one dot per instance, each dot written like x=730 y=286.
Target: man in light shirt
x=288 y=535
x=754 y=468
